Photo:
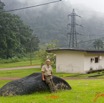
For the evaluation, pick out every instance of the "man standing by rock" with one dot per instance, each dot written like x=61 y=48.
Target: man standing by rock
x=47 y=75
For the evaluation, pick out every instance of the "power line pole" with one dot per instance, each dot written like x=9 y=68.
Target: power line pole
x=72 y=35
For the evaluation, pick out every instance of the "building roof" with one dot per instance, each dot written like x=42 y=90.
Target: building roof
x=72 y=49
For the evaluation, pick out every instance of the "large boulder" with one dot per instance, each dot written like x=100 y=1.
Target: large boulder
x=30 y=84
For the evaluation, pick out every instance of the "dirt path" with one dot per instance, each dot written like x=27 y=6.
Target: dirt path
x=9 y=78
x=30 y=67
x=17 y=68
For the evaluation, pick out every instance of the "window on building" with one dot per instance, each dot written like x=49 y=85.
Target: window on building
x=91 y=60
x=96 y=59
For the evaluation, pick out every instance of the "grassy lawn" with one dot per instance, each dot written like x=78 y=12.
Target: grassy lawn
x=25 y=72
x=19 y=64
x=18 y=73
x=83 y=91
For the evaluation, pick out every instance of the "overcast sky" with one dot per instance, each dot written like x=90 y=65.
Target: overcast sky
x=96 y=5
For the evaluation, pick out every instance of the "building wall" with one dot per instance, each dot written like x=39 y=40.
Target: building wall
x=70 y=61
x=89 y=61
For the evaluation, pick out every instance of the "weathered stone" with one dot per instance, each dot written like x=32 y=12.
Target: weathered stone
x=30 y=84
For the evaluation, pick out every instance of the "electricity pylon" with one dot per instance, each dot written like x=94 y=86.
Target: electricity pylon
x=72 y=35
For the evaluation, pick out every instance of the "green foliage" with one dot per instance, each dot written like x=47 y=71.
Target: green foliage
x=98 y=44
x=10 y=60
x=22 y=62
x=32 y=44
x=52 y=45
x=1 y=5
x=14 y=59
x=43 y=55
x=15 y=36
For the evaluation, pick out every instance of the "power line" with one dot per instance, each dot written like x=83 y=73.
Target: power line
x=33 y=6
x=90 y=40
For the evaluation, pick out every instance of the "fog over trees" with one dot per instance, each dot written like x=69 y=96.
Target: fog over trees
x=16 y=38
x=49 y=22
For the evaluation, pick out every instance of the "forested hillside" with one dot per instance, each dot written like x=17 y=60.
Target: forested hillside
x=15 y=36
x=50 y=22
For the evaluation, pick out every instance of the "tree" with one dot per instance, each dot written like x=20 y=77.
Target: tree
x=98 y=44
x=14 y=36
x=1 y=5
x=33 y=46
x=43 y=55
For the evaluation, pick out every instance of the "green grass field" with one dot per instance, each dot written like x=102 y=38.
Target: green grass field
x=84 y=89
x=25 y=72
x=21 y=63
x=18 y=73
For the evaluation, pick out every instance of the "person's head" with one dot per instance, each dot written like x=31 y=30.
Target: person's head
x=48 y=62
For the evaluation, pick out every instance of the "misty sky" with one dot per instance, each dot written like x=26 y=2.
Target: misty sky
x=96 y=5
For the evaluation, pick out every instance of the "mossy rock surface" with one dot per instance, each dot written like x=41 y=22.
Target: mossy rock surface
x=31 y=84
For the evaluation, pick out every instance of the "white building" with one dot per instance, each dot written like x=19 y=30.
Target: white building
x=78 y=61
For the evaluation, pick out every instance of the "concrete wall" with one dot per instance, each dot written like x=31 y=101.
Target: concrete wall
x=70 y=61
x=92 y=65
x=77 y=61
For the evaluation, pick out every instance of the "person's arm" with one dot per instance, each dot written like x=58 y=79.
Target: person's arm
x=51 y=70
x=43 y=76
x=43 y=70
x=51 y=73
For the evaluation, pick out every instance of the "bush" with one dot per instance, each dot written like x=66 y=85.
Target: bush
x=10 y=60
x=43 y=55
